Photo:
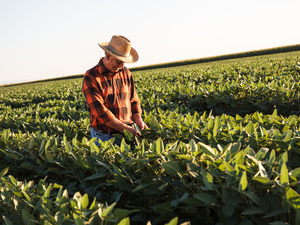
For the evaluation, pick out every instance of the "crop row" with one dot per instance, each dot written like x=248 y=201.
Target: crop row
x=222 y=147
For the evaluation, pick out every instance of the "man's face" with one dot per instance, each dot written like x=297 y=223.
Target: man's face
x=114 y=64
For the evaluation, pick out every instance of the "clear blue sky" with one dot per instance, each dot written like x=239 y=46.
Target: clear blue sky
x=46 y=39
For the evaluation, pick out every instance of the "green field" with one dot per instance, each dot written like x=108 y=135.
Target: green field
x=222 y=147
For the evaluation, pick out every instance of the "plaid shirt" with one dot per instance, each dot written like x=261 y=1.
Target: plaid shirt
x=109 y=96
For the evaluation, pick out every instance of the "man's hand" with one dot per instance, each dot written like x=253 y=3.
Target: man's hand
x=120 y=126
x=133 y=131
x=139 y=121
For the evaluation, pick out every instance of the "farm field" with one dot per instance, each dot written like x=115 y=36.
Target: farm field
x=222 y=148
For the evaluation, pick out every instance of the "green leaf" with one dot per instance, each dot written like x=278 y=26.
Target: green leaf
x=252 y=210
x=108 y=210
x=159 y=146
x=47 y=192
x=207 y=149
x=121 y=213
x=26 y=196
x=245 y=222
x=163 y=208
x=243 y=183
x=284 y=176
x=174 y=221
x=207 y=179
x=293 y=198
x=27 y=217
x=117 y=169
x=272 y=157
x=13 y=155
x=283 y=159
x=13 y=180
x=79 y=221
x=297 y=219
x=171 y=167
x=228 y=167
x=139 y=187
x=4 y=171
x=296 y=173
x=264 y=180
x=68 y=147
x=228 y=210
x=128 y=135
x=235 y=147
x=193 y=145
x=84 y=202
x=260 y=155
x=274 y=213
x=7 y=221
x=49 y=156
x=250 y=128
x=206 y=198
x=288 y=136
x=279 y=223
x=104 y=164
x=59 y=217
x=253 y=196
x=124 y=221
x=95 y=176
x=239 y=158
x=58 y=197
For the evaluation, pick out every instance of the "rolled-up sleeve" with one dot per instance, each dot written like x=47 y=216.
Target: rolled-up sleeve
x=135 y=102
x=95 y=100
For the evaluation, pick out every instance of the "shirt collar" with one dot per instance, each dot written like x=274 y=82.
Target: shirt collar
x=103 y=70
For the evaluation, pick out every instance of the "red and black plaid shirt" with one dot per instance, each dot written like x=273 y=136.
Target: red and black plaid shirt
x=109 y=96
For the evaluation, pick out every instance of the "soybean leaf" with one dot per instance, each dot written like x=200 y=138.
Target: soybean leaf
x=206 y=198
x=128 y=135
x=7 y=221
x=4 y=171
x=243 y=183
x=163 y=208
x=245 y=222
x=207 y=179
x=27 y=217
x=171 y=167
x=207 y=149
x=272 y=157
x=279 y=223
x=174 y=221
x=264 y=180
x=95 y=176
x=252 y=210
x=108 y=210
x=284 y=176
x=260 y=155
x=228 y=210
x=293 y=198
x=296 y=172
x=253 y=196
x=84 y=202
x=124 y=221
x=121 y=213
x=250 y=128
x=274 y=213
x=79 y=221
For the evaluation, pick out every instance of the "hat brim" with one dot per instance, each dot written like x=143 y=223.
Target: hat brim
x=133 y=56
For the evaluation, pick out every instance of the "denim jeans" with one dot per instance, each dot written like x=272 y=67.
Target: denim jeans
x=103 y=137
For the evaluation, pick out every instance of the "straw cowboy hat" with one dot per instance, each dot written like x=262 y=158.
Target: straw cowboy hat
x=120 y=47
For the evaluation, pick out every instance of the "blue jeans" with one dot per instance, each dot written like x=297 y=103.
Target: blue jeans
x=103 y=137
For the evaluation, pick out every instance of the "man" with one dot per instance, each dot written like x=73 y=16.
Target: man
x=109 y=91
